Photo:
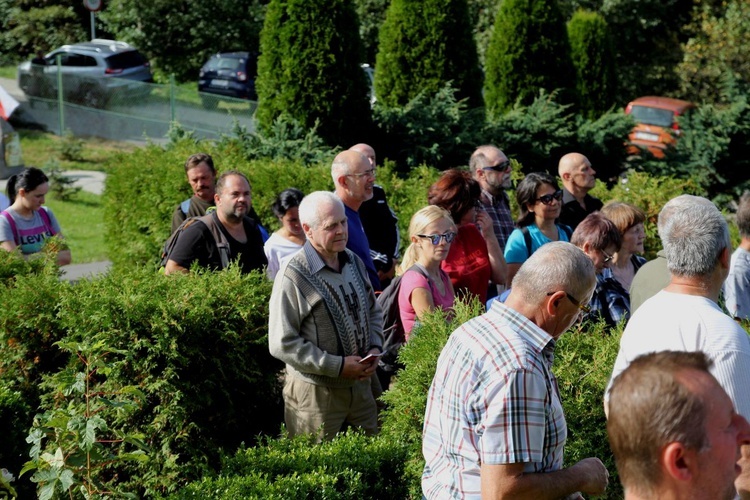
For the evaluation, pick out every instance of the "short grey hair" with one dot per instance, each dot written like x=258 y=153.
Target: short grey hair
x=339 y=168
x=694 y=237
x=674 y=205
x=313 y=205
x=556 y=266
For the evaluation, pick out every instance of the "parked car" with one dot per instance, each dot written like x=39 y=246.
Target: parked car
x=656 y=123
x=230 y=74
x=91 y=72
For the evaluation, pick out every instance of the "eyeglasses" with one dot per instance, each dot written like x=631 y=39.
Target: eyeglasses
x=503 y=166
x=547 y=198
x=366 y=173
x=607 y=257
x=582 y=307
x=435 y=238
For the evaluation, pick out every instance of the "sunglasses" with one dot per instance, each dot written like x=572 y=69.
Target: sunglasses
x=435 y=238
x=607 y=257
x=547 y=198
x=503 y=166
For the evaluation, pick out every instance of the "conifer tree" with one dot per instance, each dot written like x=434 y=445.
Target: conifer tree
x=423 y=45
x=309 y=69
x=529 y=51
x=594 y=61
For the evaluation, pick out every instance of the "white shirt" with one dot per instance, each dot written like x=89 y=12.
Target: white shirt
x=278 y=250
x=737 y=285
x=677 y=322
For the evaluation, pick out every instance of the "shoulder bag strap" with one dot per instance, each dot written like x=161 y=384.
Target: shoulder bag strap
x=212 y=221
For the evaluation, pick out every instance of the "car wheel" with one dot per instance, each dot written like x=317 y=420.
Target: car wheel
x=209 y=102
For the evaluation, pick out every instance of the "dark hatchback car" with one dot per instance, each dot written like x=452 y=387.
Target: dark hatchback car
x=230 y=74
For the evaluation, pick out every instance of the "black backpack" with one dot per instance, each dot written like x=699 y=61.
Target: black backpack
x=211 y=220
x=393 y=330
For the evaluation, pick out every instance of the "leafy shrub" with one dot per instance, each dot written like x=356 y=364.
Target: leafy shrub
x=423 y=47
x=432 y=129
x=15 y=414
x=71 y=147
x=593 y=58
x=529 y=51
x=309 y=69
x=584 y=357
x=351 y=466
x=196 y=347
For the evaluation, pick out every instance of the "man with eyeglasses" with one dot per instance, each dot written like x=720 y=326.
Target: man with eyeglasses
x=354 y=181
x=578 y=178
x=494 y=425
x=491 y=168
x=381 y=225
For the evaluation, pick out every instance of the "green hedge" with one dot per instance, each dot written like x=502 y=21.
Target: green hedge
x=352 y=466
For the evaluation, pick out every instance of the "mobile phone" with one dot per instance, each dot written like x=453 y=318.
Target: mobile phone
x=370 y=357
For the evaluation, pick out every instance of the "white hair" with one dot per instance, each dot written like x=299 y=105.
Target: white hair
x=313 y=205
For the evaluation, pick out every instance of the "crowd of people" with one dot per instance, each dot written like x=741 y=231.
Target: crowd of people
x=494 y=423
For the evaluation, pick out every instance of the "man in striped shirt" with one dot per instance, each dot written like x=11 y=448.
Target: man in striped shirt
x=494 y=425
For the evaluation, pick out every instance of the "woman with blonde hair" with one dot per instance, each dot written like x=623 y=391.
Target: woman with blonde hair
x=424 y=285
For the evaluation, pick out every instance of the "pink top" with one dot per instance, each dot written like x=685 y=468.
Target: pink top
x=411 y=280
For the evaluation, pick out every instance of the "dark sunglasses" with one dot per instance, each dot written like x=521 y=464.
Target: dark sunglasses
x=583 y=307
x=435 y=238
x=503 y=166
x=547 y=198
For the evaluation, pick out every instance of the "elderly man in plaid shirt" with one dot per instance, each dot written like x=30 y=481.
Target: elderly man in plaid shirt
x=494 y=426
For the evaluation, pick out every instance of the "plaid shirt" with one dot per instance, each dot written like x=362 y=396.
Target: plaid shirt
x=494 y=400
x=610 y=300
x=499 y=210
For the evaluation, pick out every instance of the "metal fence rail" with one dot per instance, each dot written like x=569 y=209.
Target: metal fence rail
x=135 y=110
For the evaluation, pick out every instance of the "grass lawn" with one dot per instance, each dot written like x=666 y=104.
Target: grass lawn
x=41 y=148
x=82 y=223
x=8 y=72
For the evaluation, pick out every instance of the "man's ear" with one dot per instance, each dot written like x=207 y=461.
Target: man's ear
x=678 y=462
x=553 y=302
x=565 y=176
x=725 y=257
x=216 y=198
x=306 y=229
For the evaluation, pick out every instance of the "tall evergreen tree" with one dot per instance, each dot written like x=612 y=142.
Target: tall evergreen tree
x=529 y=51
x=594 y=60
x=423 y=45
x=309 y=69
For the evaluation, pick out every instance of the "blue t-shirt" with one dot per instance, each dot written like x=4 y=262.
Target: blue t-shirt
x=515 y=248
x=358 y=244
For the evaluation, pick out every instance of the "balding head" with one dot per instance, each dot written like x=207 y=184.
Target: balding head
x=367 y=151
x=353 y=178
x=576 y=173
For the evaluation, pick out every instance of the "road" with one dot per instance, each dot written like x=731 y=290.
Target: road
x=136 y=120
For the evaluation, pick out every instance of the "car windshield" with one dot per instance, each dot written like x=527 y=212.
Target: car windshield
x=226 y=63
x=652 y=116
x=125 y=60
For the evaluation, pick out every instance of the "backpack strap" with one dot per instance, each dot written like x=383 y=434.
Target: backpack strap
x=527 y=240
x=185 y=206
x=418 y=268
x=46 y=220
x=222 y=244
x=13 y=226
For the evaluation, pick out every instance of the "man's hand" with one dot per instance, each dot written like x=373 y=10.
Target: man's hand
x=594 y=475
x=484 y=223
x=360 y=371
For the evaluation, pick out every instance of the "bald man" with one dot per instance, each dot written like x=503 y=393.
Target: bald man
x=353 y=180
x=578 y=178
x=380 y=223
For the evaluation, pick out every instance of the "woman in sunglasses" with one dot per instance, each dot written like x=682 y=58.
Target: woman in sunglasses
x=473 y=260
x=539 y=201
x=424 y=285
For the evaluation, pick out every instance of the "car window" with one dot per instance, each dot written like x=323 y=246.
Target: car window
x=77 y=60
x=652 y=116
x=125 y=60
